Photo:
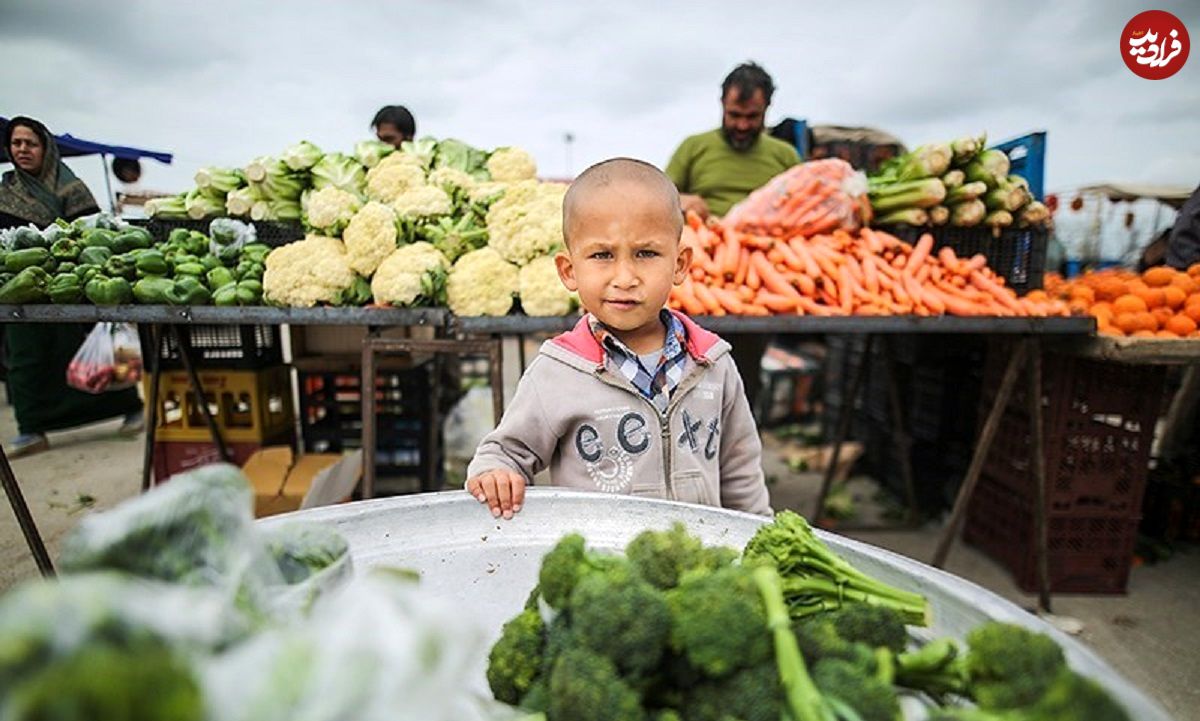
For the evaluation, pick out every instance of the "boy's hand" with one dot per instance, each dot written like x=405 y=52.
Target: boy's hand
x=501 y=489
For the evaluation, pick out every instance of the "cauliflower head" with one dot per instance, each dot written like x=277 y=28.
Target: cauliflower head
x=482 y=283
x=423 y=201
x=511 y=164
x=542 y=291
x=487 y=192
x=370 y=237
x=413 y=273
x=448 y=178
x=527 y=221
x=307 y=272
x=329 y=209
x=393 y=175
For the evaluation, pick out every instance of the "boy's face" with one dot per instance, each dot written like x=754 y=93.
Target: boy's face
x=623 y=257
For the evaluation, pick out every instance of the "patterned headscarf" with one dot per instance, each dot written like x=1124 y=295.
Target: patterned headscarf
x=54 y=192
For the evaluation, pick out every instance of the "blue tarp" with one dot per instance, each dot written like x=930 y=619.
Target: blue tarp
x=71 y=146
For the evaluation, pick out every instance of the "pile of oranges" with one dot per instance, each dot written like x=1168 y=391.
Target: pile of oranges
x=1160 y=303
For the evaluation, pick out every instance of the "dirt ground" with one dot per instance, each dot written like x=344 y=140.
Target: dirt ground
x=1150 y=635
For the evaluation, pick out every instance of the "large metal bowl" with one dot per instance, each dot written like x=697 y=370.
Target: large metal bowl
x=486 y=567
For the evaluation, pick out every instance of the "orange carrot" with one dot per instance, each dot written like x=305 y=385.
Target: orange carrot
x=753 y=281
x=800 y=249
x=870 y=275
x=807 y=285
x=746 y=294
x=919 y=254
x=728 y=300
x=705 y=295
x=739 y=275
x=732 y=252
x=812 y=307
x=846 y=297
x=1002 y=295
x=772 y=279
x=686 y=294
x=777 y=303
x=947 y=256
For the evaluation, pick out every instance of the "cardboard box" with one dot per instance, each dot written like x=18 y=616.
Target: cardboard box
x=283 y=483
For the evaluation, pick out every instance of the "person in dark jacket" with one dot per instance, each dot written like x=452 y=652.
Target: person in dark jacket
x=1183 y=245
x=39 y=190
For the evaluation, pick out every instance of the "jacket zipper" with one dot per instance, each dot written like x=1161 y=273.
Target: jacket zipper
x=664 y=419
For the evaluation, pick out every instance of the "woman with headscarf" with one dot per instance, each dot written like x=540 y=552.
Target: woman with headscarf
x=39 y=190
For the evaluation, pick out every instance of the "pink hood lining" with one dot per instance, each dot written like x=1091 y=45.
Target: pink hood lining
x=580 y=341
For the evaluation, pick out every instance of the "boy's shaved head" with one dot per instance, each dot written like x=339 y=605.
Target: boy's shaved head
x=621 y=171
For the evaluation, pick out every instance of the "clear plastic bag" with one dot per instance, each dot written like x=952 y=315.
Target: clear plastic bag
x=110 y=359
x=227 y=237
x=808 y=199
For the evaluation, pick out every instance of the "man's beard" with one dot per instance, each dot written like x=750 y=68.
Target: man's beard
x=740 y=144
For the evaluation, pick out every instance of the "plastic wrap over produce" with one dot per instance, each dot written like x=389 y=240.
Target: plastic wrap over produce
x=809 y=199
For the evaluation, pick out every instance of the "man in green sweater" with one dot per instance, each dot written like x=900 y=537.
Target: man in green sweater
x=715 y=170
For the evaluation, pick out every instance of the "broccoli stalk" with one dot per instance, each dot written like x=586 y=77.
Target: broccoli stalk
x=815 y=579
x=1069 y=697
x=803 y=699
x=937 y=668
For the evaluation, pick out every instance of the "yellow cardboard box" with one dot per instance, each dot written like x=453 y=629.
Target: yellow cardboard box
x=283 y=483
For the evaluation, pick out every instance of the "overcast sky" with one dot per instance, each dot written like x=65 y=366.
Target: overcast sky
x=221 y=81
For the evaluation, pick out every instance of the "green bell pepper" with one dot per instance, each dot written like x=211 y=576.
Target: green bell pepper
x=192 y=290
x=197 y=243
x=65 y=289
x=219 y=277
x=189 y=269
x=249 y=270
x=18 y=260
x=99 y=238
x=132 y=239
x=87 y=272
x=121 y=266
x=153 y=290
x=94 y=256
x=67 y=267
x=6 y=276
x=210 y=261
x=256 y=252
x=28 y=286
x=179 y=237
x=108 y=291
x=65 y=249
x=249 y=292
x=151 y=262
x=226 y=295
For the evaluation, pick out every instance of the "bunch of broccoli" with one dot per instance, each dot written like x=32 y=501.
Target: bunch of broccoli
x=676 y=631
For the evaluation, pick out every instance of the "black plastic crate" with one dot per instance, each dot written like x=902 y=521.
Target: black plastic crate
x=269 y=232
x=336 y=396
x=1016 y=254
x=237 y=347
x=400 y=454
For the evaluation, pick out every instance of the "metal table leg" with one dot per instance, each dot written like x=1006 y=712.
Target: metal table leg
x=496 y=371
x=367 y=403
x=900 y=436
x=1034 y=361
x=185 y=353
x=153 y=363
x=990 y=426
x=28 y=527
x=845 y=414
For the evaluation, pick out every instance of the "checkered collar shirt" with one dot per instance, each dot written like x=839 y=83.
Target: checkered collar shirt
x=655 y=384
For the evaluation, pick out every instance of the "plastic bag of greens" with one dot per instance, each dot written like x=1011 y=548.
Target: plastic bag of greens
x=809 y=199
x=378 y=650
x=105 y=645
x=312 y=559
x=110 y=359
x=227 y=237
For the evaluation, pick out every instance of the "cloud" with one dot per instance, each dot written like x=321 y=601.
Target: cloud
x=223 y=81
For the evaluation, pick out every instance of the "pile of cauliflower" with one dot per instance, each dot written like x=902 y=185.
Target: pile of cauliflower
x=471 y=230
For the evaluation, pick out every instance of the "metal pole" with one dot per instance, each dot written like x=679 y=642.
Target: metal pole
x=843 y=428
x=990 y=426
x=112 y=202
x=496 y=367
x=900 y=436
x=1037 y=448
x=367 y=402
x=151 y=359
x=24 y=519
x=185 y=353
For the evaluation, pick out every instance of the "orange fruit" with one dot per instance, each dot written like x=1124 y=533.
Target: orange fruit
x=1194 y=270
x=1192 y=311
x=1144 y=334
x=1102 y=309
x=1186 y=283
x=1174 y=297
x=1110 y=288
x=1082 y=292
x=1165 y=334
x=1127 y=322
x=1154 y=297
x=1180 y=325
x=1159 y=276
x=1162 y=315
x=1129 y=304
x=1038 y=296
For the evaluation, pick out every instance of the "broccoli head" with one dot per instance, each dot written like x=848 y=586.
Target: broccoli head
x=819 y=640
x=848 y=683
x=621 y=617
x=874 y=626
x=1069 y=697
x=717 y=621
x=585 y=686
x=1010 y=666
x=516 y=659
x=663 y=557
x=564 y=565
x=752 y=694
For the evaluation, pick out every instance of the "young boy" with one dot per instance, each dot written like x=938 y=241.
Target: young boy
x=636 y=399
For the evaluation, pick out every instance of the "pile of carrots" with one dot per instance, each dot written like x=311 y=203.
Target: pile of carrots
x=1160 y=303
x=863 y=272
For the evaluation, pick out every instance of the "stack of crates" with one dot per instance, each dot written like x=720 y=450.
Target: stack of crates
x=246 y=387
x=1098 y=419
x=331 y=414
